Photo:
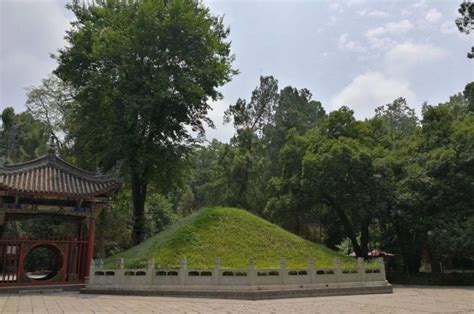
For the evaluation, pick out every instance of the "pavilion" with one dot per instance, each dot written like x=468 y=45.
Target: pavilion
x=50 y=188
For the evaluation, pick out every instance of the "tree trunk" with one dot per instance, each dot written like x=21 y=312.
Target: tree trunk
x=139 y=190
x=298 y=223
x=364 y=239
x=348 y=229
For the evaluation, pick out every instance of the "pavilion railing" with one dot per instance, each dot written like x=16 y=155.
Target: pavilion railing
x=70 y=255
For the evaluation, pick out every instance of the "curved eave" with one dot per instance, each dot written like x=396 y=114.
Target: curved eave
x=52 y=177
x=74 y=196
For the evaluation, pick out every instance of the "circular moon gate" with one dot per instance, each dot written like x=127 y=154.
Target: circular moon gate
x=43 y=262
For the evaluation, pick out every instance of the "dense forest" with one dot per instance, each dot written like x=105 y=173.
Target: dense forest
x=396 y=181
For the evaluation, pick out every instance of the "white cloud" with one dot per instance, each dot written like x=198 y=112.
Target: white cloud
x=419 y=4
x=334 y=6
x=383 y=37
x=345 y=44
x=373 y=13
x=408 y=56
x=355 y=2
x=448 y=28
x=370 y=90
x=433 y=16
x=402 y=26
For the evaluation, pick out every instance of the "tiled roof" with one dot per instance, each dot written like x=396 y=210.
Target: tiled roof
x=52 y=176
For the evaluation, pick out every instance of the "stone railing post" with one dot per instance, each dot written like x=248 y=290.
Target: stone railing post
x=283 y=271
x=337 y=269
x=183 y=271
x=216 y=272
x=361 y=269
x=150 y=271
x=252 y=273
x=311 y=269
x=120 y=272
x=120 y=264
x=91 y=280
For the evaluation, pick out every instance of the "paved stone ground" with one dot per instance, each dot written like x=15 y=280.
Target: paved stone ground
x=403 y=300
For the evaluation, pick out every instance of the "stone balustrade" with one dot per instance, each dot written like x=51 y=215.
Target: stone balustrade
x=250 y=278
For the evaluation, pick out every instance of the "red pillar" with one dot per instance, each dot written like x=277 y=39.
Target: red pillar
x=90 y=245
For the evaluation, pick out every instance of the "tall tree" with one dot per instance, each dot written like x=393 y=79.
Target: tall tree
x=295 y=110
x=339 y=170
x=259 y=111
x=50 y=103
x=401 y=119
x=144 y=72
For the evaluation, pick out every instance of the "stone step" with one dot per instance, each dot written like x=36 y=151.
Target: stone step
x=245 y=295
x=44 y=289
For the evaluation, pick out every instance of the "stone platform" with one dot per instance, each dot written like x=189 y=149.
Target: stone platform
x=254 y=294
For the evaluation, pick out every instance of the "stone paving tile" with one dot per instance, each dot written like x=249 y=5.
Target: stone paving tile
x=403 y=300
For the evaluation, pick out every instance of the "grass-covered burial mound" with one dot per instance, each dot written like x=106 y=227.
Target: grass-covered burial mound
x=235 y=236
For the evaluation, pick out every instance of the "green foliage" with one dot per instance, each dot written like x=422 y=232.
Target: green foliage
x=114 y=226
x=290 y=204
x=45 y=227
x=259 y=111
x=400 y=119
x=51 y=103
x=22 y=137
x=160 y=213
x=469 y=95
x=41 y=259
x=235 y=236
x=340 y=173
x=251 y=162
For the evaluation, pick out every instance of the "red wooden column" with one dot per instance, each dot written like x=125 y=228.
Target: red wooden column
x=90 y=245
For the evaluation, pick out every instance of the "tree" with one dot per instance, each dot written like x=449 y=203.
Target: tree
x=401 y=119
x=290 y=204
x=339 y=170
x=449 y=164
x=465 y=23
x=160 y=213
x=342 y=176
x=23 y=137
x=243 y=161
x=262 y=125
x=144 y=72
x=50 y=103
x=258 y=112
x=469 y=95
x=295 y=110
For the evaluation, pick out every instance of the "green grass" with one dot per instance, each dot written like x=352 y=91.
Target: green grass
x=232 y=234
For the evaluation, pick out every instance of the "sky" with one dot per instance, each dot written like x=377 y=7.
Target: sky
x=357 y=53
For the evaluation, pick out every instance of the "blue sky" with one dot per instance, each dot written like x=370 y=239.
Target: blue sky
x=359 y=53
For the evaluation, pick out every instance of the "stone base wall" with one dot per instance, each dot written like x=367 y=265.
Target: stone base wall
x=233 y=280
